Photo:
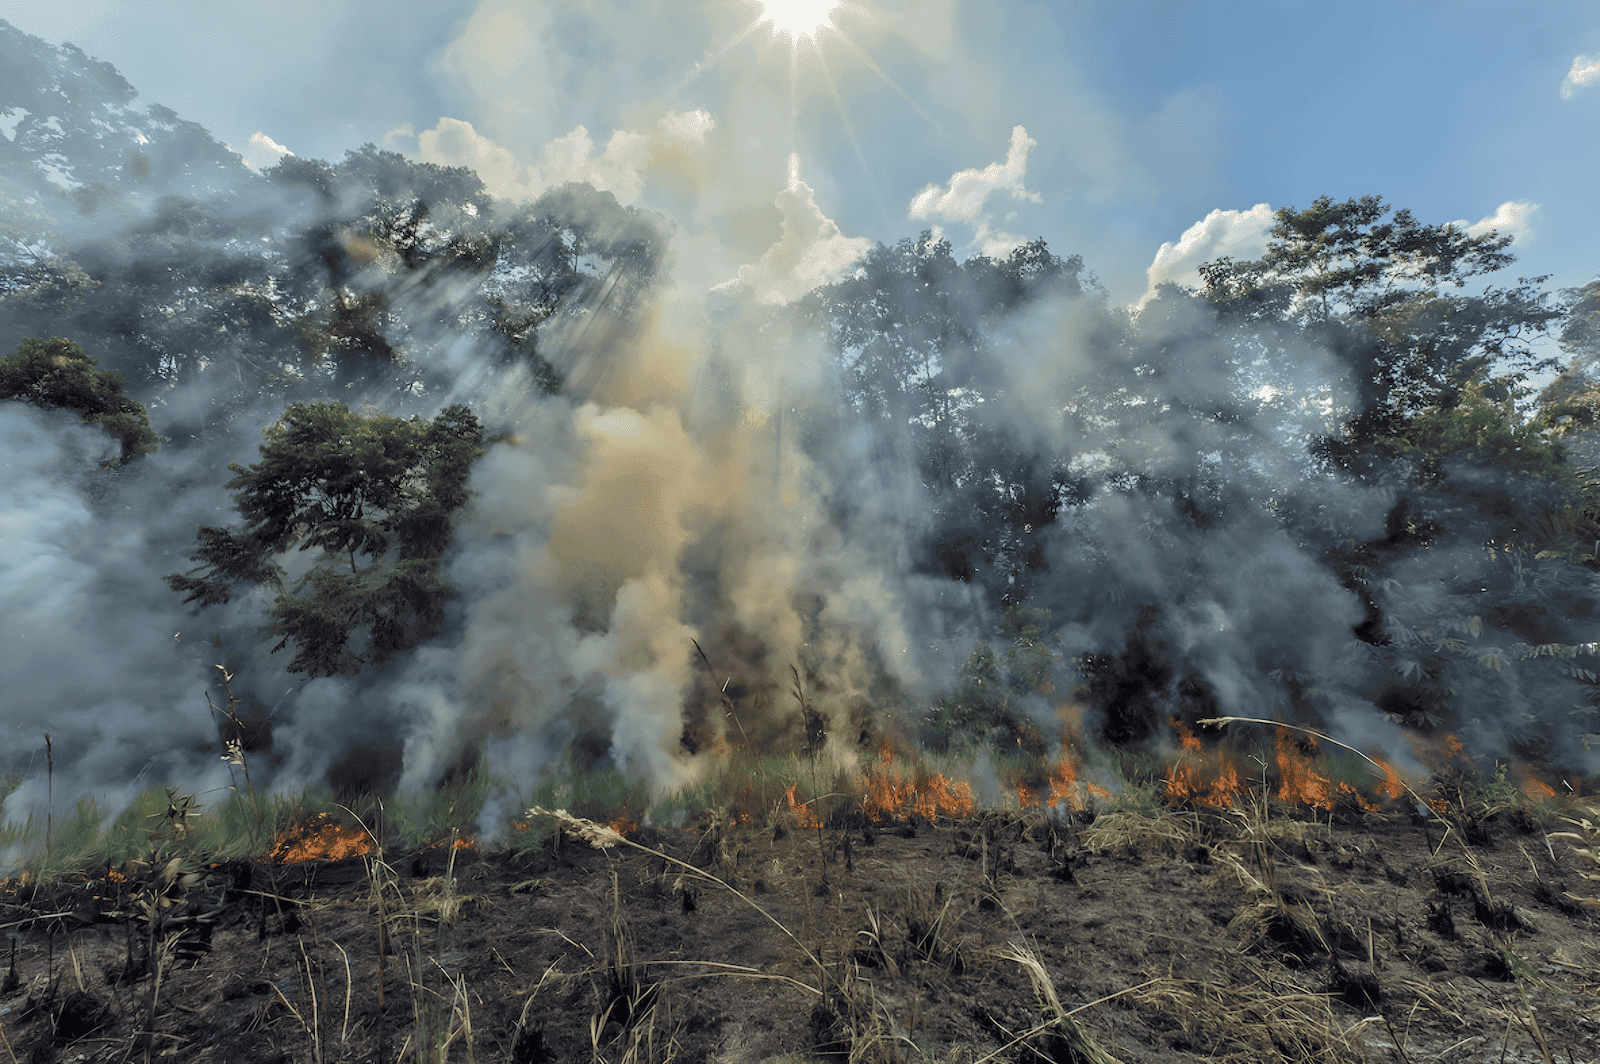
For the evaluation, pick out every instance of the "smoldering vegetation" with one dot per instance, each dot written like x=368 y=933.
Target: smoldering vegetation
x=964 y=501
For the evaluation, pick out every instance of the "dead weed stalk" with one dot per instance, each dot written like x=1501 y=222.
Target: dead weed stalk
x=1587 y=836
x=846 y=1021
x=1234 y=1023
x=1059 y=1037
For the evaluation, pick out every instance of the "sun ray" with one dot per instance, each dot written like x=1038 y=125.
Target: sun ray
x=808 y=24
x=722 y=53
x=887 y=80
x=850 y=131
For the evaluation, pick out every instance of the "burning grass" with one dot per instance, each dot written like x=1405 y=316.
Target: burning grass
x=1292 y=974
x=1130 y=799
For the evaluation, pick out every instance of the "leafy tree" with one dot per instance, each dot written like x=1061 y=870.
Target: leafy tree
x=1487 y=431
x=382 y=224
x=399 y=249
x=31 y=277
x=989 y=699
x=913 y=332
x=574 y=258
x=1496 y=610
x=1580 y=335
x=59 y=374
x=376 y=496
x=1374 y=290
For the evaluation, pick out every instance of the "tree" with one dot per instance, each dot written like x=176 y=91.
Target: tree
x=574 y=259
x=398 y=249
x=1469 y=594
x=59 y=374
x=1373 y=290
x=913 y=332
x=375 y=495
x=383 y=225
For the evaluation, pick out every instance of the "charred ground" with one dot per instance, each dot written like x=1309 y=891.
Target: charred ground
x=1251 y=934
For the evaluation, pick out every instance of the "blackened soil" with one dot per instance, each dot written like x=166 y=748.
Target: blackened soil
x=1208 y=939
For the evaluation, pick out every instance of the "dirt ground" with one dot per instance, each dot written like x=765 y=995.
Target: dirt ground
x=1195 y=935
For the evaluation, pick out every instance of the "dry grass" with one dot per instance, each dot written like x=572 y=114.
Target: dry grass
x=1059 y=1037
x=1587 y=835
x=1131 y=835
x=1247 y=1022
x=922 y=925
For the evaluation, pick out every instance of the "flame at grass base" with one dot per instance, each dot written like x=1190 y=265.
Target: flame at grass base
x=891 y=792
x=320 y=838
x=1213 y=777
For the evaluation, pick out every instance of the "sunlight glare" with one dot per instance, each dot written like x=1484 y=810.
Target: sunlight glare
x=799 y=18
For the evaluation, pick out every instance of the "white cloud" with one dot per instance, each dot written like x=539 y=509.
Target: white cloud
x=1236 y=234
x=455 y=143
x=1585 y=68
x=963 y=198
x=1513 y=218
x=812 y=250
x=396 y=137
x=263 y=151
x=996 y=243
x=620 y=168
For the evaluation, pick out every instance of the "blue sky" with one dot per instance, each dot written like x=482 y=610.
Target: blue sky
x=1140 y=122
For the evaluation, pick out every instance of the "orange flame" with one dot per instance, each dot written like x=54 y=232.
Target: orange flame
x=320 y=839
x=1298 y=782
x=888 y=794
x=1439 y=755
x=1391 y=786
x=464 y=842
x=1199 y=775
x=1065 y=788
x=1214 y=777
x=801 y=810
x=745 y=804
x=1536 y=788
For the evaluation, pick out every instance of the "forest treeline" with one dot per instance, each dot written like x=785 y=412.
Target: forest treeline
x=1358 y=398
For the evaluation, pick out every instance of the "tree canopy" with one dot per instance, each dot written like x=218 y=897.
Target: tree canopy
x=371 y=494
x=58 y=374
x=1356 y=397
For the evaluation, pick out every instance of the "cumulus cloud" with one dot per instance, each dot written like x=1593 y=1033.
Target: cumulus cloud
x=1234 y=234
x=812 y=250
x=619 y=168
x=1585 y=68
x=1514 y=218
x=400 y=136
x=962 y=199
x=996 y=243
x=456 y=143
x=263 y=151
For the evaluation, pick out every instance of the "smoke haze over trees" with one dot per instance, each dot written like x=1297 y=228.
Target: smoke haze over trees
x=470 y=478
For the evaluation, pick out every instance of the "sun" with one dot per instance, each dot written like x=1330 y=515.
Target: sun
x=799 y=18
